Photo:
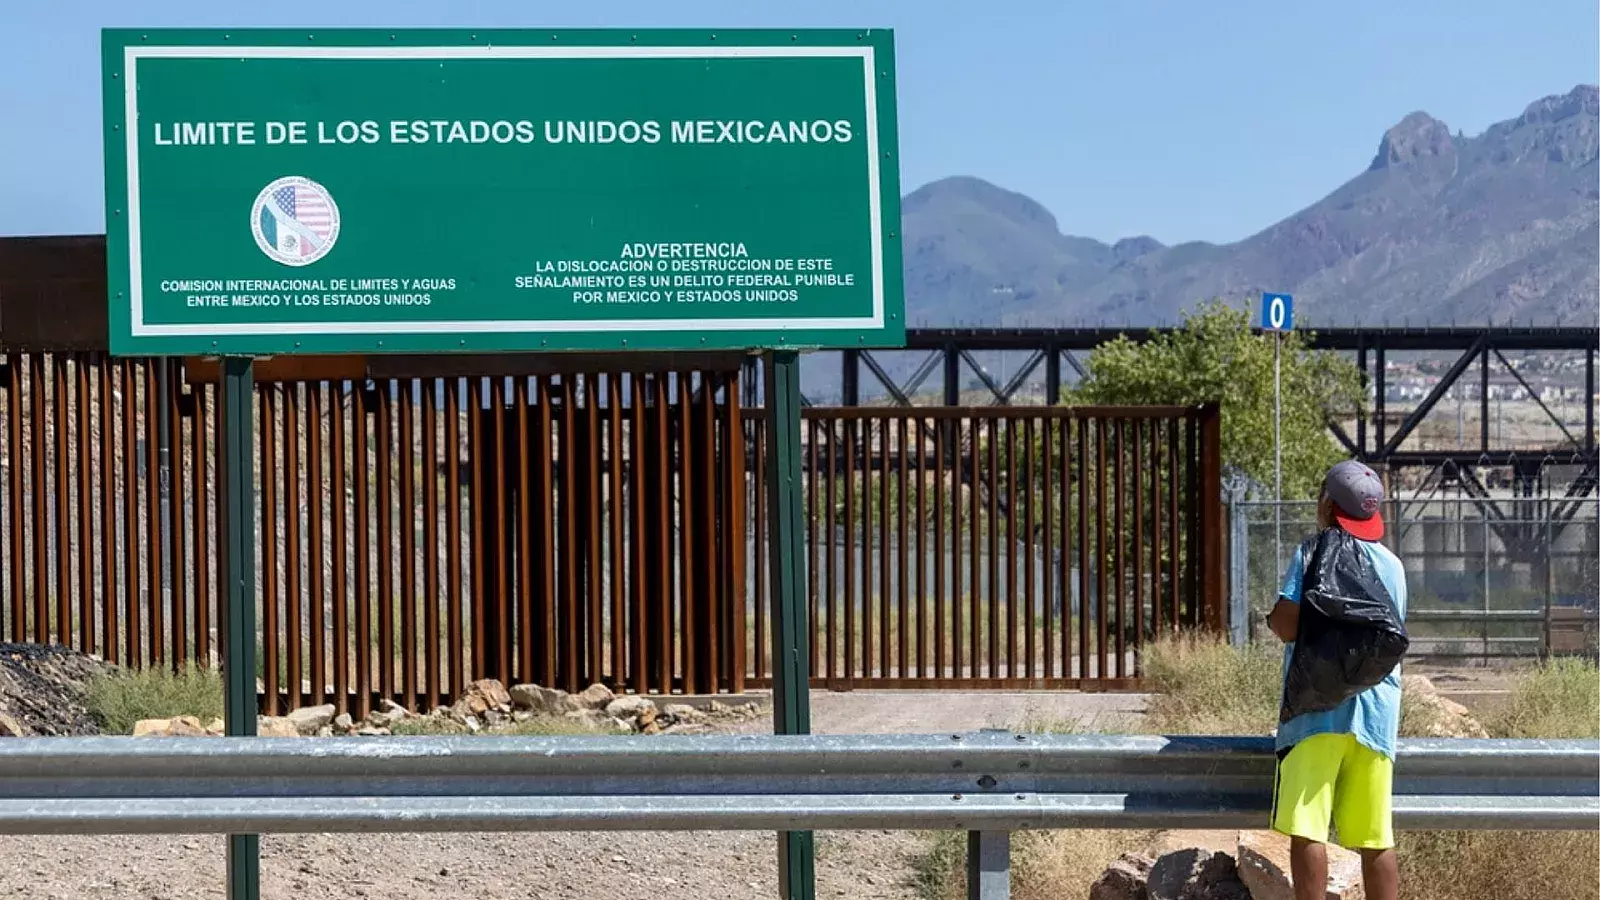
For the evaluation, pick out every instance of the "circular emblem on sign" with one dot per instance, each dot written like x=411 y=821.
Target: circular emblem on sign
x=295 y=221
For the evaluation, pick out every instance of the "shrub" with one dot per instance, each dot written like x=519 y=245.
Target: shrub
x=119 y=701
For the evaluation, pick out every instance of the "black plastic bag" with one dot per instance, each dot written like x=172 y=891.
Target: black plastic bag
x=1351 y=635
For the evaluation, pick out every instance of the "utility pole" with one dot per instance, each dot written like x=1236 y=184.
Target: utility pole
x=1277 y=447
x=1277 y=317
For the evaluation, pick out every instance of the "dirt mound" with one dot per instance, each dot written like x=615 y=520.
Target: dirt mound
x=43 y=690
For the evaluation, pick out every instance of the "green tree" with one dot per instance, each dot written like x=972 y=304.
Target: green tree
x=1216 y=357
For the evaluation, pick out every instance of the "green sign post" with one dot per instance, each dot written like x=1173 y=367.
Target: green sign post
x=275 y=192
x=373 y=191
x=236 y=572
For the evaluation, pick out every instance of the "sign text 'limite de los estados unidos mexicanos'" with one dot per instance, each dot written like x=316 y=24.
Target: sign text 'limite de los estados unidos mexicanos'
x=425 y=191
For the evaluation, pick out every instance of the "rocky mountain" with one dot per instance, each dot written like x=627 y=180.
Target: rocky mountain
x=1440 y=228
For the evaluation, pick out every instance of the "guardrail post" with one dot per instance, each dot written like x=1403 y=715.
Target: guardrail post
x=237 y=572
x=988 y=865
x=791 y=636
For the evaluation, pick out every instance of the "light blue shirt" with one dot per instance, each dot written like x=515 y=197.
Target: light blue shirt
x=1373 y=715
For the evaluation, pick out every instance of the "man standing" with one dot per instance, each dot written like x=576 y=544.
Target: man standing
x=1338 y=765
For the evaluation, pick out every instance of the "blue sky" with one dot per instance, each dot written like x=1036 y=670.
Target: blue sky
x=1186 y=121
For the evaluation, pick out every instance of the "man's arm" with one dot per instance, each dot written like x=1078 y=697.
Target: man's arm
x=1284 y=620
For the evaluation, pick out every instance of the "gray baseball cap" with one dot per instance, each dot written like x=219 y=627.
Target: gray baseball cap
x=1357 y=495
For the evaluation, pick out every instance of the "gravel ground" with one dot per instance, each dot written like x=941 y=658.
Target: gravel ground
x=931 y=712
x=565 y=866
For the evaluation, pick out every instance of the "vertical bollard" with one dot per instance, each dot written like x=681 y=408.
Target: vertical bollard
x=237 y=571
x=791 y=635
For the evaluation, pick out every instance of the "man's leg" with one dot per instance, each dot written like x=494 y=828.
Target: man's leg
x=1302 y=806
x=1308 y=864
x=1362 y=813
x=1380 y=874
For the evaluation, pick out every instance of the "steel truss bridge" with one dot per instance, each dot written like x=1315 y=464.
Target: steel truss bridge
x=945 y=367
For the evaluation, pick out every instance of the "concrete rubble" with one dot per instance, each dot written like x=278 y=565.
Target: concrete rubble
x=1126 y=879
x=1434 y=715
x=1257 y=868
x=1196 y=874
x=486 y=705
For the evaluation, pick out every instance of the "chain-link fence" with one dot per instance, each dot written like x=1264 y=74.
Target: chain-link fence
x=1502 y=577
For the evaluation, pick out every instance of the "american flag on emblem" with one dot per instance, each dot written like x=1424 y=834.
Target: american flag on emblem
x=304 y=206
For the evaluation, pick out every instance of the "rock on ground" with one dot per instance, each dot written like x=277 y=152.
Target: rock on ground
x=1436 y=715
x=308 y=720
x=1127 y=879
x=388 y=715
x=596 y=696
x=182 y=726
x=628 y=708
x=683 y=713
x=543 y=700
x=1196 y=875
x=1263 y=858
x=43 y=690
x=482 y=697
x=275 y=726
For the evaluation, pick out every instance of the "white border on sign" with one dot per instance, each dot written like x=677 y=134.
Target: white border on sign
x=136 y=268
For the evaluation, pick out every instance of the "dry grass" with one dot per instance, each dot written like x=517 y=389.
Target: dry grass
x=1560 y=699
x=1486 y=865
x=119 y=701
x=939 y=867
x=1035 y=722
x=1202 y=685
x=1058 y=864
x=1046 y=865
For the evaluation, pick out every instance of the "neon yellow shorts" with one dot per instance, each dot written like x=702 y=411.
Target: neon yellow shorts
x=1335 y=777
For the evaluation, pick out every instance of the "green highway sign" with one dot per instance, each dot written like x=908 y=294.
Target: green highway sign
x=276 y=192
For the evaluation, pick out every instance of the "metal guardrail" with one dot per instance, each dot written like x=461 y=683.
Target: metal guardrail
x=987 y=783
